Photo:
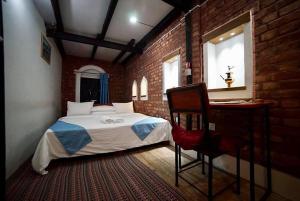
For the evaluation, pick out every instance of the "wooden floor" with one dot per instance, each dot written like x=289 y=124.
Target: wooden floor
x=160 y=159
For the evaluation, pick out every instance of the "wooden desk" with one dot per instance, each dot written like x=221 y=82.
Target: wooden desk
x=249 y=109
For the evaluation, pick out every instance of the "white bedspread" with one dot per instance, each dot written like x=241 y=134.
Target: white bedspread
x=106 y=137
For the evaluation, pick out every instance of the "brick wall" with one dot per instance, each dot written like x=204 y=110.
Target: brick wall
x=149 y=64
x=277 y=68
x=116 y=79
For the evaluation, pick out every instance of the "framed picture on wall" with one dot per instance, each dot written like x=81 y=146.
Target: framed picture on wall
x=45 y=49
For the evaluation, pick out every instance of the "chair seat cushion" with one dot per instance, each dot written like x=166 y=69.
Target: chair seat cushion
x=187 y=139
x=214 y=146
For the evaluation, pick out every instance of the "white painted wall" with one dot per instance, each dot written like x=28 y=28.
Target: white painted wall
x=32 y=87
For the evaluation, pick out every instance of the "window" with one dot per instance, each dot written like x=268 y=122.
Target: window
x=228 y=63
x=134 y=90
x=144 y=89
x=87 y=83
x=170 y=74
x=89 y=90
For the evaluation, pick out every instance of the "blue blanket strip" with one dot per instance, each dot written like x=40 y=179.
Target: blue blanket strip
x=144 y=127
x=73 y=137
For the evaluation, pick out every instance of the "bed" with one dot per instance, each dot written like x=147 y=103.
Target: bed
x=105 y=137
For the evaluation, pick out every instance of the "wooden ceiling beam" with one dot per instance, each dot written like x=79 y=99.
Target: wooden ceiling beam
x=183 y=5
x=163 y=24
x=130 y=44
x=57 y=14
x=59 y=25
x=91 y=41
x=109 y=15
x=60 y=47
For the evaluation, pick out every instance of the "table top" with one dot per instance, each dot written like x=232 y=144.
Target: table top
x=216 y=105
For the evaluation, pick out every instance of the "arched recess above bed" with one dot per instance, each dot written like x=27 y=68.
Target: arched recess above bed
x=88 y=71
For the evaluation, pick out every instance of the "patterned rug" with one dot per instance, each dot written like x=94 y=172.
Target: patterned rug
x=116 y=177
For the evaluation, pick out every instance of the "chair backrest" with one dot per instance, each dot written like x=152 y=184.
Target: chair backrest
x=191 y=99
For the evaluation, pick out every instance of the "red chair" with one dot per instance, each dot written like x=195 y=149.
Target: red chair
x=193 y=100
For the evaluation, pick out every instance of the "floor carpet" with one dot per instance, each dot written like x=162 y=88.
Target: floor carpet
x=115 y=177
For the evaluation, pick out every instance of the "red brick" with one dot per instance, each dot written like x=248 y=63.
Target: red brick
x=290 y=103
x=269 y=17
x=290 y=93
x=283 y=3
x=290 y=27
x=292 y=122
x=261 y=29
x=290 y=113
x=284 y=19
x=266 y=3
x=289 y=8
x=270 y=85
x=269 y=35
x=290 y=84
x=285 y=75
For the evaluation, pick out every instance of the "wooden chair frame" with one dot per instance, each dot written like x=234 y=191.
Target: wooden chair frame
x=200 y=93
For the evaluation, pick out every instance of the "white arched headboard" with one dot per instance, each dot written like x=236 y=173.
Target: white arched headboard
x=88 y=71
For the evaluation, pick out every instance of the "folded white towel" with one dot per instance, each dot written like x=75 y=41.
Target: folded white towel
x=110 y=120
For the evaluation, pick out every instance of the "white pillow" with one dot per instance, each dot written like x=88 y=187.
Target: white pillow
x=103 y=108
x=103 y=113
x=124 y=107
x=75 y=108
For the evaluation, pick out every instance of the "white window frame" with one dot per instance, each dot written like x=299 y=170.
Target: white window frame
x=176 y=57
x=134 y=84
x=144 y=96
x=89 y=71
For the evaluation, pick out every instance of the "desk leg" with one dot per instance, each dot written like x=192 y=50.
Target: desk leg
x=176 y=164
x=268 y=150
x=179 y=160
x=251 y=157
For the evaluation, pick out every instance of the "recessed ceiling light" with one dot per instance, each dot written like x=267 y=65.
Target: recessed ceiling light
x=232 y=33
x=220 y=39
x=133 y=19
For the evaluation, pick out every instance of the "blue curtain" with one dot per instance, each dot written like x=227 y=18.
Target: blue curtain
x=104 y=89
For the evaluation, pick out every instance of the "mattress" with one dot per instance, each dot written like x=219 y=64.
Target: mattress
x=106 y=137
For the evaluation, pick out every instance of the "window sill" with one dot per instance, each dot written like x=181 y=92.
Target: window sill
x=144 y=98
x=227 y=89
